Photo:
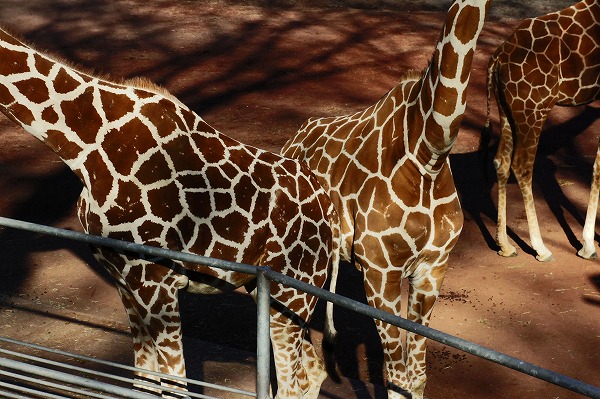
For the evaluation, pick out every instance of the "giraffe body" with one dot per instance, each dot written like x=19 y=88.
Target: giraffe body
x=155 y=173
x=550 y=60
x=387 y=171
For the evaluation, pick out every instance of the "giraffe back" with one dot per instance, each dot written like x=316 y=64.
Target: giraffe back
x=554 y=58
x=155 y=172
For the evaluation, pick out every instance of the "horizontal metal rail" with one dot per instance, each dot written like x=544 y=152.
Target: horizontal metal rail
x=116 y=366
x=64 y=379
x=436 y=335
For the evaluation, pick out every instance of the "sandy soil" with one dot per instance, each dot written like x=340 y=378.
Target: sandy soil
x=256 y=70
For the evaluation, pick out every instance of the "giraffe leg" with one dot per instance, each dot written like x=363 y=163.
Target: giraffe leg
x=157 y=339
x=589 y=250
x=502 y=163
x=298 y=368
x=383 y=292
x=527 y=139
x=314 y=369
x=287 y=342
x=424 y=288
x=143 y=349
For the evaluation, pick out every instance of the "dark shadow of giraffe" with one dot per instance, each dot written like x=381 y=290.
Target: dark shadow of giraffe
x=595 y=300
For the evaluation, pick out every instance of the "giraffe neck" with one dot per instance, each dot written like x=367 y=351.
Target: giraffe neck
x=74 y=113
x=441 y=101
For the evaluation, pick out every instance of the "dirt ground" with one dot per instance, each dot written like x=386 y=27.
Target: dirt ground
x=256 y=70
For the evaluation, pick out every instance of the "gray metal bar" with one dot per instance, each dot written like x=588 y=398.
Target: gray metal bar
x=73 y=368
x=72 y=379
x=9 y=395
x=34 y=392
x=56 y=385
x=263 y=343
x=128 y=368
x=82 y=370
x=126 y=246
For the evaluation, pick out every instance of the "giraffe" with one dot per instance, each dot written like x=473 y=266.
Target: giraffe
x=549 y=60
x=387 y=171
x=154 y=172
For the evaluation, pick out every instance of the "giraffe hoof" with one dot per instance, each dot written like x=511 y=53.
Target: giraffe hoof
x=587 y=255
x=508 y=254
x=545 y=258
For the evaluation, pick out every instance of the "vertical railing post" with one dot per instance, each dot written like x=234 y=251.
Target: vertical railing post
x=263 y=338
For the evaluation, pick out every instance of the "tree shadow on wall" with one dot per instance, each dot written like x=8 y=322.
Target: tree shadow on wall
x=221 y=65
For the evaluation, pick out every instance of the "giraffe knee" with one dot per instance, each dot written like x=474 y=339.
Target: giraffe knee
x=418 y=389
x=313 y=370
x=497 y=164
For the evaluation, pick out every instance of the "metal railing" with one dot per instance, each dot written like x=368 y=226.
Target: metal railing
x=265 y=275
x=58 y=375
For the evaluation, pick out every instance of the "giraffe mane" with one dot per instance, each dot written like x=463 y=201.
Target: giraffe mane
x=412 y=74
x=137 y=82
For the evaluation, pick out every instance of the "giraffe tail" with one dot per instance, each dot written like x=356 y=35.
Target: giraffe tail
x=491 y=91
x=487 y=131
x=330 y=332
x=486 y=135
